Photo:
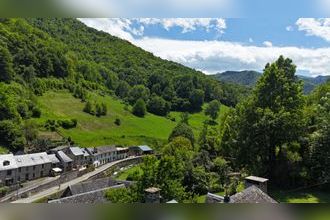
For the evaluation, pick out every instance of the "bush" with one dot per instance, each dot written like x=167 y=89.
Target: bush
x=36 y=112
x=3 y=190
x=51 y=125
x=139 y=109
x=67 y=124
x=118 y=122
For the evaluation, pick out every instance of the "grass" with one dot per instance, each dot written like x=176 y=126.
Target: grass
x=124 y=174
x=3 y=150
x=93 y=131
x=304 y=196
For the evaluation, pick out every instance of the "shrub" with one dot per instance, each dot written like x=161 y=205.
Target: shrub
x=67 y=124
x=139 y=109
x=36 y=112
x=118 y=122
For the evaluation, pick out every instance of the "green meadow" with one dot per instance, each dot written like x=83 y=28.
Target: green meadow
x=94 y=131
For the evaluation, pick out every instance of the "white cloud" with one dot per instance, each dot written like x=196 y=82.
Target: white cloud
x=251 y=40
x=267 y=43
x=289 y=28
x=187 y=24
x=218 y=56
x=315 y=27
x=214 y=56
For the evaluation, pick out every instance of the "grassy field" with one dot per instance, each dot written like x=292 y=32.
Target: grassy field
x=124 y=174
x=306 y=196
x=94 y=131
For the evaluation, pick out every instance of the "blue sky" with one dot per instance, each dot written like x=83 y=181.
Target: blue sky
x=218 y=44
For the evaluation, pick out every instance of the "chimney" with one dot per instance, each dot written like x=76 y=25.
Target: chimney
x=259 y=182
x=152 y=195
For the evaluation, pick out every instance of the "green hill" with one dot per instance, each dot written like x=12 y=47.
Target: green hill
x=41 y=56
x=249 y=79
x=96 y=131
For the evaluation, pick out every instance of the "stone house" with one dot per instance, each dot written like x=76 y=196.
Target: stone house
x=8 y=169
x=102 y=155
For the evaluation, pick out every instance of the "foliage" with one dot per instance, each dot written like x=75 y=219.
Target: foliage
x=182 y=130
x=139 y=108
x=213 y=109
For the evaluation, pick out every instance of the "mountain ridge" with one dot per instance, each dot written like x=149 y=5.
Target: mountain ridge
x=249 y=78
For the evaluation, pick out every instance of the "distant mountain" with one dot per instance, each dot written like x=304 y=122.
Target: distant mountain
x=249 y=79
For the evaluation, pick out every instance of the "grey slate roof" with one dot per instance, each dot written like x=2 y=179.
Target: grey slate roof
x=11 y=159
x=92 y=197
x=251 y=195
x=53 y=158
x=101 y=150
x=145 y=148
x=32 y=159
x=60 y=148
x=63 y=157
x=92 y=185
x=77 y=151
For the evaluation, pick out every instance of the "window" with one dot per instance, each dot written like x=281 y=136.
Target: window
x=19 y=169
x=34 y=167
x=41 y=173
x=27 y=168
x=43 y=166
x=34 y=175
x=6 y=163
x=27 y=176
x=9 y=172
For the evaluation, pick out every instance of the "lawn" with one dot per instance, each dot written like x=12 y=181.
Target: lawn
x=124 y=174
x=306 y=196
x=93 y=131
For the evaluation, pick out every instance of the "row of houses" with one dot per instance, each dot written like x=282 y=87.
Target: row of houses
x=20 y=168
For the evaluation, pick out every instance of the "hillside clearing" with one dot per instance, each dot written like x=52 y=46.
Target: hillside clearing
x=96 y=131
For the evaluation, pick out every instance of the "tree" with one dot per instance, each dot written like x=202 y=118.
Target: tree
x=212 y=109
x=104 y=109
x=158 y=106
x=6 y=65
x=98 y=110
x=196 y=99
x=11 y=136
x=182 y=130
x=89 y=108
x=139 y=109
x=122 y=89
x=222 y=169
x=138 y=92
x=260 y=129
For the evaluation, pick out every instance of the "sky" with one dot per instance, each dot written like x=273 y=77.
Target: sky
x=215 y=45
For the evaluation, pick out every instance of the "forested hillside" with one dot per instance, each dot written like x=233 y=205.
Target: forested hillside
x=39 y=55
x=250 y=78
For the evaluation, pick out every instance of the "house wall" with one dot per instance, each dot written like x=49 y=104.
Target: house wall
x=8 y=177
x=33 y=172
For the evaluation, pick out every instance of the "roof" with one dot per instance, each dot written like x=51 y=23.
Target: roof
x=251 y=195
x=76 y=151
x=92 y=197
x=60 y=148
x=256 y=179
x=32 y=159
x=63 y=157
x=53 y=158
x=86 y=154
x=145 y=148
x=213 y=198
x=101 y=150
x=152 y=190
x=10 y=158
x=92 y=185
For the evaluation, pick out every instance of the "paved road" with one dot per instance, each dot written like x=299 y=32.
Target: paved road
x=56 y=189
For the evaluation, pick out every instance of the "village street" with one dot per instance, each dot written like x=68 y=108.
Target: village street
x=56 y=189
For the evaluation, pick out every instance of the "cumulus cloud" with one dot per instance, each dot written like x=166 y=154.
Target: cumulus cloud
x=212 y=56
x=218 y=56
x=187 y=24
x=267 y=43
x=315 y=27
